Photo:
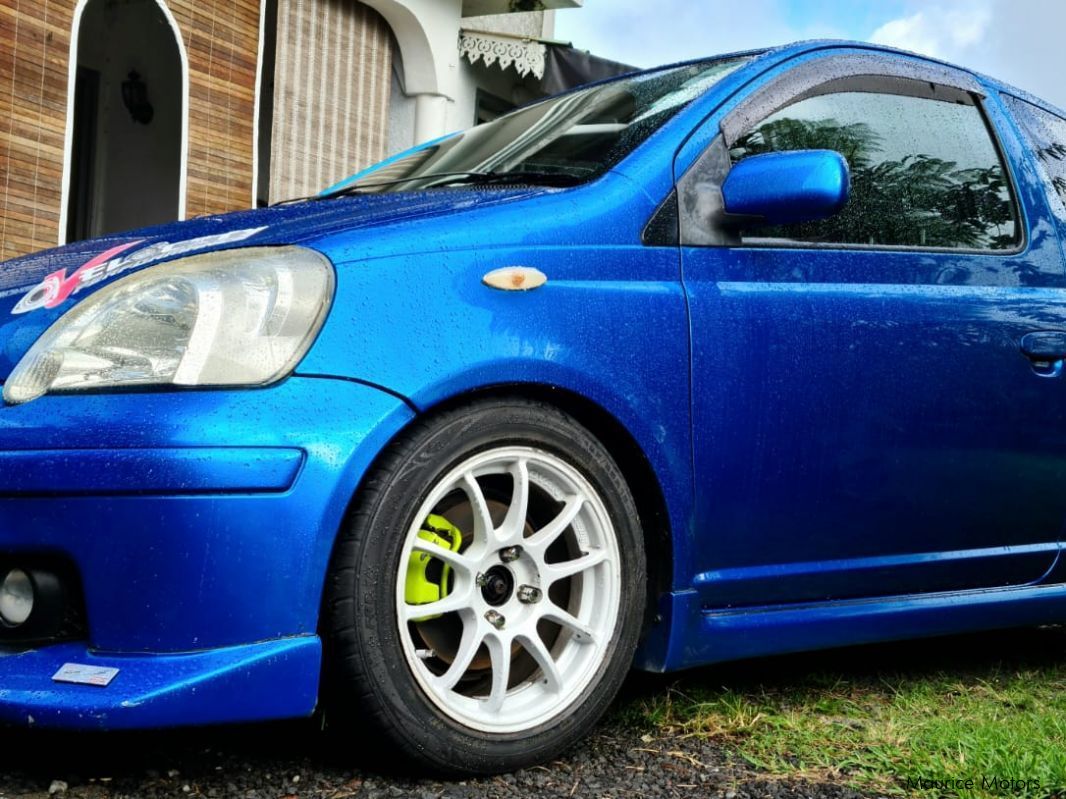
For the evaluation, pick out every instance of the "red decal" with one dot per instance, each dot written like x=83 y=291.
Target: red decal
x=66 y=285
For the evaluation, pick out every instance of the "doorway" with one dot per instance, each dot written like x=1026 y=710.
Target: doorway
x=128 y=134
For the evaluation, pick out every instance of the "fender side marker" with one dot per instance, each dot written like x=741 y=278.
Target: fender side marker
x=515 y=278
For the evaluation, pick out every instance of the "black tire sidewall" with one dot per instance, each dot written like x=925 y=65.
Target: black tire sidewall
x=365 y=633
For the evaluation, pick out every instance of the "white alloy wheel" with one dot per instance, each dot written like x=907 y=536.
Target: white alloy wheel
x=530 y=599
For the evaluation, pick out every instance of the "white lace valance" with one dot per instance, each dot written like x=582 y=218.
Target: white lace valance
x=526 y=55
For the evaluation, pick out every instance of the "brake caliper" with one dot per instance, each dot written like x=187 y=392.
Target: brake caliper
x=427 y=577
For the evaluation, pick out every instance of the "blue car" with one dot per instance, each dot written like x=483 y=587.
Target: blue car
x=750 y=355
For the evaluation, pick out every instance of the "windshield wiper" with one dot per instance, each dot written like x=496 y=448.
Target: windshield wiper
x=360 y=188
x=518 y=178
x=472 y=178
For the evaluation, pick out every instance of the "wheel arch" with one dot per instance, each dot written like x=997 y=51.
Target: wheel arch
x=617 y=439
x=623 y=447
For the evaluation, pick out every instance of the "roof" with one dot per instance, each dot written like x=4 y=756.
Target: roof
x=786 y=51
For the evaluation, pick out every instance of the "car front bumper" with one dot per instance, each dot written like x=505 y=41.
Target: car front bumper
x=199 y=525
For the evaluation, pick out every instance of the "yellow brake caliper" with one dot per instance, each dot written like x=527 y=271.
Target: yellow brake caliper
x=422 y=587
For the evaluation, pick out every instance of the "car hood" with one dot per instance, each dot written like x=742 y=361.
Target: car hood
x=38 y=288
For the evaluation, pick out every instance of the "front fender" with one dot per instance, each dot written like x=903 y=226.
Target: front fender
x=610 y=325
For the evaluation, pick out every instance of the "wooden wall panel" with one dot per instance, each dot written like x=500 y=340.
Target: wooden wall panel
x=222 y=41
x=34 y=46
x=221 y=38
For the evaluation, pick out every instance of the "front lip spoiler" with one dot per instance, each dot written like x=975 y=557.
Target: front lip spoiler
x=171 y=471
x=230 y=685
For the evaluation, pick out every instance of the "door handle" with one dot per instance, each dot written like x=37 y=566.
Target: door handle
x=1046 y=351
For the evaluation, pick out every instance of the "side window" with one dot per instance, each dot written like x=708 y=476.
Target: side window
x=1047 y=136
x=924 y=172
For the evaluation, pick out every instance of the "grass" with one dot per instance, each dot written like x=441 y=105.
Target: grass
x=986 y=708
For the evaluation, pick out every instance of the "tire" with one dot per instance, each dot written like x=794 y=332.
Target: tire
x=512 y=702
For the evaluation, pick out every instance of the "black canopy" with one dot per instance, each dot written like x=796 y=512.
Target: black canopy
x=567 y=67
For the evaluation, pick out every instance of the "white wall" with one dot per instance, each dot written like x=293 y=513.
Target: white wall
x=442 y=89
x=458 y=80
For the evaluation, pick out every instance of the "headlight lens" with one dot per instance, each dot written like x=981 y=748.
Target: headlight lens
x=234 y=318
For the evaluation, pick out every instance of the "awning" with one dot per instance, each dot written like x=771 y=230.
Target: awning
x=556 y=66
x=566 y=67
x=525 y=55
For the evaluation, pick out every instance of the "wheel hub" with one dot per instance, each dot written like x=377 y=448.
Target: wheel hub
x=497 y=586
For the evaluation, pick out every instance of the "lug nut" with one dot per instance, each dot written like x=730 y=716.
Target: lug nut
x=510 y=554
x=495 y=619
x=528 y=594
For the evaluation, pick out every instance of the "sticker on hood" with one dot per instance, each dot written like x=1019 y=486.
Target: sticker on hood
x=58 y=287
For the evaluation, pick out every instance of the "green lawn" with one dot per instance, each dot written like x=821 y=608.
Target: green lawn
x=988 y=708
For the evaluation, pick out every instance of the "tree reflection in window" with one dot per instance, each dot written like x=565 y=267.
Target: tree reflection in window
x=924 y=173
x=1047 y=135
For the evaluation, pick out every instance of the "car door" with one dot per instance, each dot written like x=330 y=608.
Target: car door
x=867 y=421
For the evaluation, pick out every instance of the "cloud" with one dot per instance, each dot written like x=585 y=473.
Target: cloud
x=647 y=34
x=939 y=32
x=1018 y=41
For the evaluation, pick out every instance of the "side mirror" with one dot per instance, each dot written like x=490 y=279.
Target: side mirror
x=785 y=188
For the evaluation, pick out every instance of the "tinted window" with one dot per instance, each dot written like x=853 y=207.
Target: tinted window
x=924 y=173
x=1047 y=136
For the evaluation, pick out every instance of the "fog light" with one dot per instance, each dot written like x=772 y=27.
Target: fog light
x=16 y=598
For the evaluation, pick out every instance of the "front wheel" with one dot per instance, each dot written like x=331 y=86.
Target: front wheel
x=485 y=598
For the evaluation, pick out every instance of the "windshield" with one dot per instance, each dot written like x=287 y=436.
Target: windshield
x=576 y=136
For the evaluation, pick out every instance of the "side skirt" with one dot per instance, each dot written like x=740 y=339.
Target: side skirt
x=689 y=635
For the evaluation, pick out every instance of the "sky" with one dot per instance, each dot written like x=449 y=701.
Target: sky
x=1022 y=42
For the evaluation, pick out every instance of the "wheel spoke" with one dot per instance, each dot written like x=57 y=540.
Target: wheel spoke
x=533 y=644
x=500 y=655
x=450 y=604
x=515 y=521
x=453 y=559
x=582 y=632
x=568 y=568
x=545 y=536
x=483 y=527
x=468 y=646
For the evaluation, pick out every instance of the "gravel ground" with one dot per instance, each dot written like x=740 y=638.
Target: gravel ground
x=627 y=756
x=290 y=760
x=279 y=761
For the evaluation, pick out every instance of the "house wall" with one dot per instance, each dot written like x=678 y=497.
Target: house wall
x=337 y=106
x=34 y=43
x=505 y=84
x=534 y=24
x=221 y=38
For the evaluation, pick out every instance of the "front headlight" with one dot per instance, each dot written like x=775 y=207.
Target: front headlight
x=240 y=317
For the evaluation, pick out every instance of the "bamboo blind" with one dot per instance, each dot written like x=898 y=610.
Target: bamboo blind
x=334 y=77
x=34 y=45
x=222 y=41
